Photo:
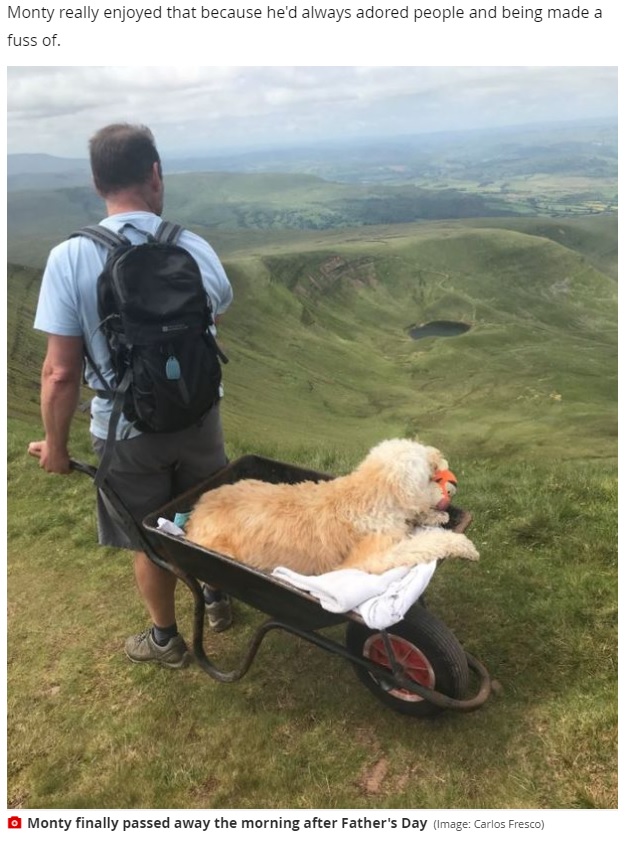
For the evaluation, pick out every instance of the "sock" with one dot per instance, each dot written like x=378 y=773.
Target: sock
x=211 y=595
x=162 y=636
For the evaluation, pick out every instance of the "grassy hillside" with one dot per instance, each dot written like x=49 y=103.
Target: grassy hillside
x=87 y=730
x=25 y=347
x=325 y=332
x=322 y=334
x=322 y=366
x=593 y=237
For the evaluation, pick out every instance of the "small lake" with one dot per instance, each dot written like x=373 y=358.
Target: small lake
x=444 y=329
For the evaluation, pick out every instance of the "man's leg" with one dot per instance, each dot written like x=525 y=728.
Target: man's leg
x=156 y=587
x=162 y=643
x=140 y=474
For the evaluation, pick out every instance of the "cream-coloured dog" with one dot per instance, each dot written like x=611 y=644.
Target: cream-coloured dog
x=372 y=519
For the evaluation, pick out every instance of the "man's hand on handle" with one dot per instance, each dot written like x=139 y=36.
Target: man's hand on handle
x=51 y=461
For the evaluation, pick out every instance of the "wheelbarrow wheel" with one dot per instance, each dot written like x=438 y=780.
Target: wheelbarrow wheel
x=426 y=649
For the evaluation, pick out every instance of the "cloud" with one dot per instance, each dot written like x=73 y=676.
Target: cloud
x=192 y=109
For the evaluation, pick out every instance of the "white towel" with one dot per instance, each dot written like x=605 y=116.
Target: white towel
x=169 y=527
x=381 y=600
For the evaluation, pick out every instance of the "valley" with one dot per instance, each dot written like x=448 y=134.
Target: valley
x=333 y=266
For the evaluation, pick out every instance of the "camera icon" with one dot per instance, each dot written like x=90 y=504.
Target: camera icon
x=15 y=822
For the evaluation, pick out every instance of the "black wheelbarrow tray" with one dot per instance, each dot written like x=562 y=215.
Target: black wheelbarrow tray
x=416 y=666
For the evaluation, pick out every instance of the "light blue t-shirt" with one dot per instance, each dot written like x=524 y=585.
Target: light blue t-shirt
x=68 y=304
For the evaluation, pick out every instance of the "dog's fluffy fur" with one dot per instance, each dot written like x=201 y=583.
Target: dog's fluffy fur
x=369 y=519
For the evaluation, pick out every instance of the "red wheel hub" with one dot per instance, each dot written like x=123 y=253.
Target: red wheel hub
x=409 y=657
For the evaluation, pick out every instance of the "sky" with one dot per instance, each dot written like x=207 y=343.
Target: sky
x=212 y=110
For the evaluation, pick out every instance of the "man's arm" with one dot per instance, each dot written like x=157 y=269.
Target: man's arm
x=60 y=384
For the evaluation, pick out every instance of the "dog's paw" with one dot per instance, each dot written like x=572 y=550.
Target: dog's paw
x=465 y=548
x=430 y=518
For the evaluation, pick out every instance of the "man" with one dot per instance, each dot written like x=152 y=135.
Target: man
x=147 y=470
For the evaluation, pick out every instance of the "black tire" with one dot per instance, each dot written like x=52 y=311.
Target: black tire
x=435 y=659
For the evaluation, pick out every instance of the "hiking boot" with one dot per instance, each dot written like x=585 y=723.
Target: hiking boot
x=219 y=614
x=143 y=649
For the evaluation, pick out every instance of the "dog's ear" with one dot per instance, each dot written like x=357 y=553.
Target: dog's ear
x=434 y=456
x=436 y=460
x=404 y=469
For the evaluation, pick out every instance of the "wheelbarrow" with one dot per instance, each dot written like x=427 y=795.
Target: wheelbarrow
x=416 y=667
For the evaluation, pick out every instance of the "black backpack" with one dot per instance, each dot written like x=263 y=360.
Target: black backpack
x=155 y=315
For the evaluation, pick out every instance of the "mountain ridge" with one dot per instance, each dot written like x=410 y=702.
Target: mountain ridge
x=318 y=340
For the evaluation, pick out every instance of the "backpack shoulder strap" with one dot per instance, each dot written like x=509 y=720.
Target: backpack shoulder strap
x=116 y=412
x=168 y=232
x=101 y=235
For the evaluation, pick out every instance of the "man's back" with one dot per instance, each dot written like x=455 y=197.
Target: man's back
x=68 y=301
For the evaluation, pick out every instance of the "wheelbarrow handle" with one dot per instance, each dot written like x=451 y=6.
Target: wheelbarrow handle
x=81 y=467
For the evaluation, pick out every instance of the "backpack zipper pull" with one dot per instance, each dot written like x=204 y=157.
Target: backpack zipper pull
x=172 y=368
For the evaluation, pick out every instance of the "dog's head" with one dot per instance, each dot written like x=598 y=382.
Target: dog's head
x=416 y=475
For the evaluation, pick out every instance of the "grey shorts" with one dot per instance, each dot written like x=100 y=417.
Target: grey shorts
x=151 y=469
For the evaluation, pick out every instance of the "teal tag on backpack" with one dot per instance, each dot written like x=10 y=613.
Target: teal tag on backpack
x=172 y=368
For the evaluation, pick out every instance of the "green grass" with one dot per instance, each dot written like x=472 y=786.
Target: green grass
x=524 y=405
x=324 y=331
x=88 y=730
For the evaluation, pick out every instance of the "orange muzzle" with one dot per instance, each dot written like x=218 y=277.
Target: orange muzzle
x=447 y=481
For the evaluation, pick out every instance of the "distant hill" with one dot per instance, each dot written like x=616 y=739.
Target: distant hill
x=594 y=237
x=336 y=252
x=38 y=172
x=235 y=201
x=38 y=164
x=555 y=171
x=588 y=148
x=319 y=344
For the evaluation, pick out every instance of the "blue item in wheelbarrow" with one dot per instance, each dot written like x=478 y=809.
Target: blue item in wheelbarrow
x=416 y=666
